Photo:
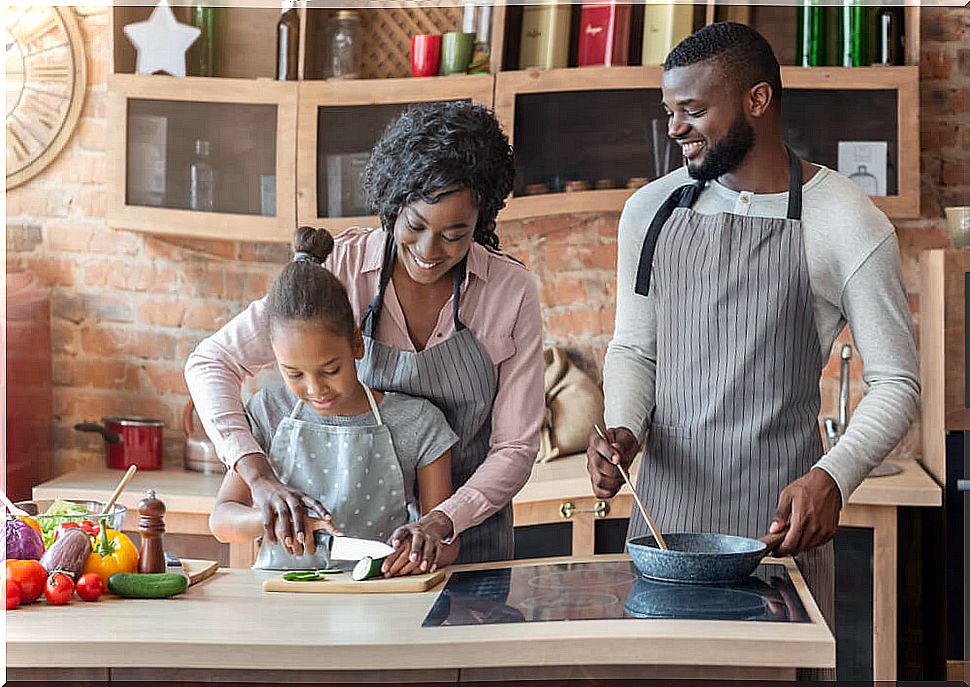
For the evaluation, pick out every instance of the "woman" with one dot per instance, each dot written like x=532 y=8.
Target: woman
x=444 y=316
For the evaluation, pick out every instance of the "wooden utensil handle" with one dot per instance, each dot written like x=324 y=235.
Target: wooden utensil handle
x=121 y=486
x=654 y=530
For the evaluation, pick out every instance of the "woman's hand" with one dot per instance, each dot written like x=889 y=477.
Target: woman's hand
x=419 y=546
x=284 y=510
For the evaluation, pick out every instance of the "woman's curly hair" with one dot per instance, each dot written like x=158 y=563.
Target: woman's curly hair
x=436 y=146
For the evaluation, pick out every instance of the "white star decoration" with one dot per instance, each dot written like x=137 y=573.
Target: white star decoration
x=161 y=41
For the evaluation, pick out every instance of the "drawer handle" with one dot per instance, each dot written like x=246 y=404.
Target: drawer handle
x=600 y=509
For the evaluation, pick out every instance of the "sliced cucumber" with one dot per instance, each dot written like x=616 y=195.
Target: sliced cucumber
x=367 y=568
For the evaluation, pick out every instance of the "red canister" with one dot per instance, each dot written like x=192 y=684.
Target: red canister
x=129 y=441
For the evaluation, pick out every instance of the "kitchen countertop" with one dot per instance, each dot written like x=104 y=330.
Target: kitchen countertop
x=228 y=622
x=565 y=478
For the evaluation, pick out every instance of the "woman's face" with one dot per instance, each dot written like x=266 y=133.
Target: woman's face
x=432 y=238
x=319 y=367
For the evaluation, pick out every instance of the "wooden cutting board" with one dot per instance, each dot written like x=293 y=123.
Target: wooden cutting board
x=343 y=584
x=199 y=570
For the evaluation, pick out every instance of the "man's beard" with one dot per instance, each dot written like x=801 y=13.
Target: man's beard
x=727 y=154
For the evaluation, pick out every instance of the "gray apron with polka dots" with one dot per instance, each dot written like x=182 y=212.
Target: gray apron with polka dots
x=353 y=471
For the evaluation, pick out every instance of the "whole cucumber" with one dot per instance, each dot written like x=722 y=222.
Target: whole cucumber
x=147 y=585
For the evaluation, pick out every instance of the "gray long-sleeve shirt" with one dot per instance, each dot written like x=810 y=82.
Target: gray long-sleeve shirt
x=854 y=269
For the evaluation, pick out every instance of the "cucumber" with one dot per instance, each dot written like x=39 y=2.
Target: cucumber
x=147 y=585
x=367 y=568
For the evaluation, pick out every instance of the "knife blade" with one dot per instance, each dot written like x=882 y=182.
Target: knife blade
x=353 y=549
x=173 y=564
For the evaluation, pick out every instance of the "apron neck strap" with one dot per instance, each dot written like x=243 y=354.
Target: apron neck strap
x=373 y=404
x=372 y=315
x=794 y=186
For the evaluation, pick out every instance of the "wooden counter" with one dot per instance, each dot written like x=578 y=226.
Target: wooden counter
x=228 y=626
x=189 y=497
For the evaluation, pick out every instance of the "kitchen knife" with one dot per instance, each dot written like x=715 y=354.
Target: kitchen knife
x=352 y=549
x=174 y=565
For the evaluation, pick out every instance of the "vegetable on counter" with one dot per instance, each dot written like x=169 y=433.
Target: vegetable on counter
x=29 y=575
x=113 y=553
x=147 y=585
x=59 y=588
x=22 y=541
x=13 y=595
x=52 y=518
x=367 y=568
x=309 y=575
x=69 y=553
x=89 y=587
x=34 y=525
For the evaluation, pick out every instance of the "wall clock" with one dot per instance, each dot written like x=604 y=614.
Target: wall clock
x=46 y=79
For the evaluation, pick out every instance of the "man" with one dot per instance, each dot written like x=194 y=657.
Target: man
x=735 y=275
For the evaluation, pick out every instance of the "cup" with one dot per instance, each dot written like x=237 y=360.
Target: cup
x=425 y=54
x=958 y=219
x=456 y=52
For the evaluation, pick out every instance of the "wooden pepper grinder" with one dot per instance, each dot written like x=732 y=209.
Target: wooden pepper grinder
x=151 y=527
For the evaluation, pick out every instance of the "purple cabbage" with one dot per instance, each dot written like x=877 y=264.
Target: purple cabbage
x=22 y=541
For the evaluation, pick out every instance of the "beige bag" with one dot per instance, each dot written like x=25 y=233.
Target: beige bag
x=574 y=402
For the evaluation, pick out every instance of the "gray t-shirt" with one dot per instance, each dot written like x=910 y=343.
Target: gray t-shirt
x=856 y=278
x=419 y=431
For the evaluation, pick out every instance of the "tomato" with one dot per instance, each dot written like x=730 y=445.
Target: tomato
x=59 y=589
x=90 y=587
x=13 y=595
x=29 y=575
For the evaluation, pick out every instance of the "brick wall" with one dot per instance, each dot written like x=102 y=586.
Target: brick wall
x=127 y=308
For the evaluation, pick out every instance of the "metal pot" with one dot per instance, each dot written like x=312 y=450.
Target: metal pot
x=200 y=453
x=129 y=441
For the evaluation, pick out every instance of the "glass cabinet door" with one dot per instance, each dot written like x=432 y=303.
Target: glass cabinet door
x=590 y=140
x=202 y=156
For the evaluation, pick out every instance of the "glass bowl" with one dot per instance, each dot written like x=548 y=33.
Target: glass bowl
x=48 y=523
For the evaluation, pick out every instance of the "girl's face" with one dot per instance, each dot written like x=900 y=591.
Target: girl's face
x=432 y=238
x=318 y=366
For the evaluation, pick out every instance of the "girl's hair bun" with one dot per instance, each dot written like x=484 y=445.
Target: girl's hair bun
x=317 y=243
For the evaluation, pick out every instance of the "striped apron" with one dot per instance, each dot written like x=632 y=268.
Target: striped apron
x=458 y=376
x=738 y=367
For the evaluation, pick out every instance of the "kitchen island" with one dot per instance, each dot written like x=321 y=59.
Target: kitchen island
x=228 y=629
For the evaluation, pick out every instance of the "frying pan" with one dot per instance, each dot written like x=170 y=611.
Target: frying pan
x=700 y=558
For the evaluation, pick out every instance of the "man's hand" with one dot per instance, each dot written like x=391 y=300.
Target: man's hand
x=282 y=508
x=602 y=457
x=809 y=508
x=418 y=546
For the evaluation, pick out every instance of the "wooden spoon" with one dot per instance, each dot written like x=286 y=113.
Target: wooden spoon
x=654 y=530
x=120 y=488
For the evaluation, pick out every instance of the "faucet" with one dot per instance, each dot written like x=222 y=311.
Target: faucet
x=835 y=428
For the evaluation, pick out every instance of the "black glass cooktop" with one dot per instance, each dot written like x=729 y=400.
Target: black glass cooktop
x=609 y=590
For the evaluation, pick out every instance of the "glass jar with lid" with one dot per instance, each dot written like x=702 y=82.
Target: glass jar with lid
x=343 y=41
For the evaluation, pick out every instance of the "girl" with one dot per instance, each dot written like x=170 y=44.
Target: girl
x=445 y=316
x=366 y=460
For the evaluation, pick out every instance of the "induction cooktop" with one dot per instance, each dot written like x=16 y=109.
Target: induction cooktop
x=609 y=590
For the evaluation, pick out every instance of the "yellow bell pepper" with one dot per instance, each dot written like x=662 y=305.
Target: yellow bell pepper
x=113 y=552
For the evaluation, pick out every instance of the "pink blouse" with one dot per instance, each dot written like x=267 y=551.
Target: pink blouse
x=499 y=303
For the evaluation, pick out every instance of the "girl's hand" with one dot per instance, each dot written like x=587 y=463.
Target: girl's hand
x=419 y=546
x=309 y=544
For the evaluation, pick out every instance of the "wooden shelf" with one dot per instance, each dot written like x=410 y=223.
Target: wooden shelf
x=246 y=33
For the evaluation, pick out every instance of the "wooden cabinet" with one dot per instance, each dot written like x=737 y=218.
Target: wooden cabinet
x=340 y=121
x=585 y=138
x=617 y=131
x=200 y=157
